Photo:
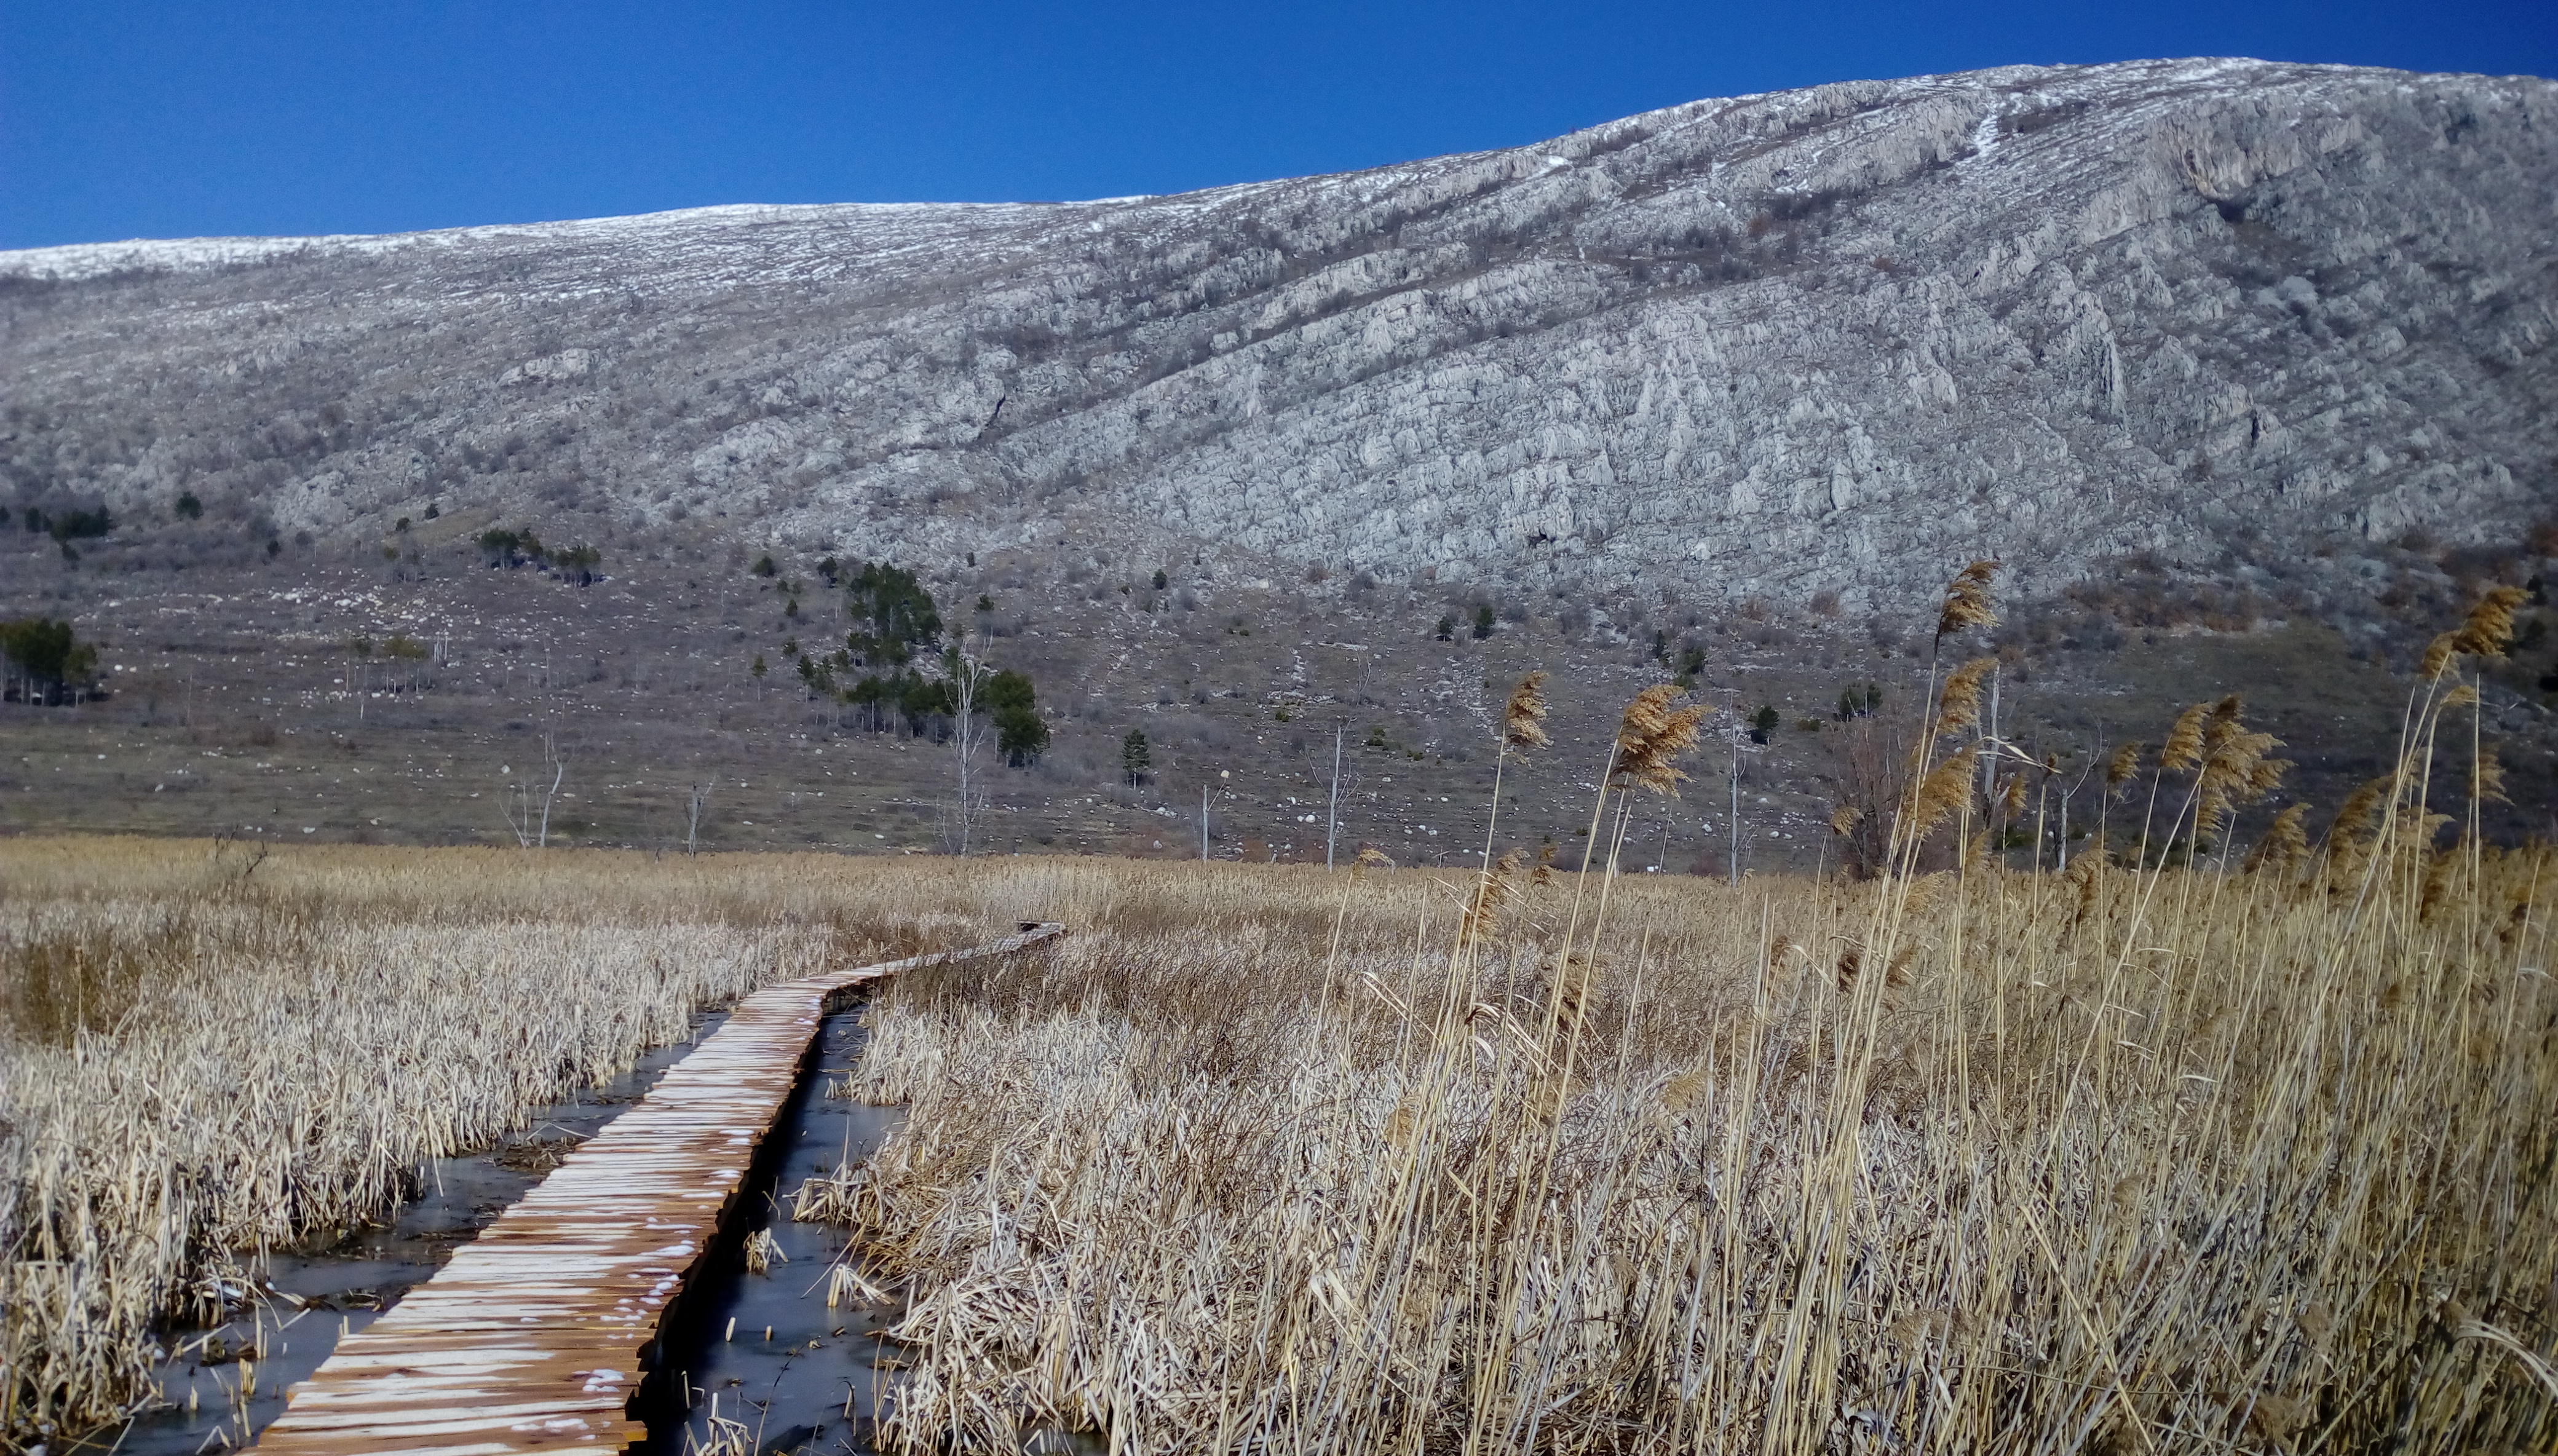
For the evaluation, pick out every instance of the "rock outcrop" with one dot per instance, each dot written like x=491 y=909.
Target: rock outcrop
x=1827 y=340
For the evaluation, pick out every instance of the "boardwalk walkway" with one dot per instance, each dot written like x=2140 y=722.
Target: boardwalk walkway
x=529 y=1337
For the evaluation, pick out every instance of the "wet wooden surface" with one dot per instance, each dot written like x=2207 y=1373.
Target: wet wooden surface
x=529 y=1337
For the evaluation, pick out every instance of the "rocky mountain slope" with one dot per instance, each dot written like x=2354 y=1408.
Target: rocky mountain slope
x=1826 y=341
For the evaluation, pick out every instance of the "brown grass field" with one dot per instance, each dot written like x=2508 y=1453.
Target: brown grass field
x=2206 y=1158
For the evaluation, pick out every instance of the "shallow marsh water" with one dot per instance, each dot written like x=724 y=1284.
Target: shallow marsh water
x=307 y=1297
x=764 y=1350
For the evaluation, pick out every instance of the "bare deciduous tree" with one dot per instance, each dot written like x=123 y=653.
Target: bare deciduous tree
x=968 y=675
x=532 y=823
x=1333 y=808
x=694 y=801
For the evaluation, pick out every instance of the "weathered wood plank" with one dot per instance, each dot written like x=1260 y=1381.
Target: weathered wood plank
x=529 y=1339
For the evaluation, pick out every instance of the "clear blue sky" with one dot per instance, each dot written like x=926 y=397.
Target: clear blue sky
x=127 y=119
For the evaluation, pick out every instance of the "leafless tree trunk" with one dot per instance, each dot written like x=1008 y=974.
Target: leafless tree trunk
x=1333 y=815
x=559 y=771
x=967 y=674
x=515 y=803
x=1732 y=851
x=699 y=797
x=532 y=826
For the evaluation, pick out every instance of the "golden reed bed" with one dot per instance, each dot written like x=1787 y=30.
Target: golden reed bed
x=2209 y=1158
x=2111 y=1160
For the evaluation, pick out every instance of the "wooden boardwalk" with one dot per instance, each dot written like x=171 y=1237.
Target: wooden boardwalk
x=529 y=1337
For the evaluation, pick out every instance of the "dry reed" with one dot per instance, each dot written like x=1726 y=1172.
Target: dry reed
x=204 y=1052
x=2122 y=1161
x=1261 y=1159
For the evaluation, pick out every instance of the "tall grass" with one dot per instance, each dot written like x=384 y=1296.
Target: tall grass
x=203 y=1052
x=1265 y=1159
x=2118 y=1161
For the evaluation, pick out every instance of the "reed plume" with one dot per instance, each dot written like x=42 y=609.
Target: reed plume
x=1967 y=600
x=2119 y=769
x=2284 y=843
x=2484 y=634
x=2359 y=816
x=1959 y=706
x=2183 y=750
x=1492 y=891
x=2235 y=770
x=1650 y=737
x=2011 y=795
x=1948 y=788
x=2486 y=779
x=1523 y=720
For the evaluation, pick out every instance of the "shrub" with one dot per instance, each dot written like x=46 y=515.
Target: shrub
x=578 y=564
x=191 y=508
x=74 y=525
x=509 y=548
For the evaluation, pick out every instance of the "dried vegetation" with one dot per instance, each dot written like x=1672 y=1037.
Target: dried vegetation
x=204 y=1051
x=2181 y=1158
x=2110 y=1160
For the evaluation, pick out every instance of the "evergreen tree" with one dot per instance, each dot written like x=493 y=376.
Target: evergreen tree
x=892 y=613
x=46 y=659
x=1021 y=734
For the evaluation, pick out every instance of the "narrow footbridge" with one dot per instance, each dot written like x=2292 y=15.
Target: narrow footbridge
x=529 y=1337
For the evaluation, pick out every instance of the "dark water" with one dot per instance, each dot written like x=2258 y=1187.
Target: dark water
x=765 y=1350
x=308 y=1297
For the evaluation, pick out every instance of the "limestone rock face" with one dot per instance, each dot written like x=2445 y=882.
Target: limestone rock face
x=1835 y=339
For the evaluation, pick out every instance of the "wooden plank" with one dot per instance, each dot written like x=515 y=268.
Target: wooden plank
x=529 y=1339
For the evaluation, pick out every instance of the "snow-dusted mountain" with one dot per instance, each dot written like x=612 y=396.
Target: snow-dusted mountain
x=1833 y=339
